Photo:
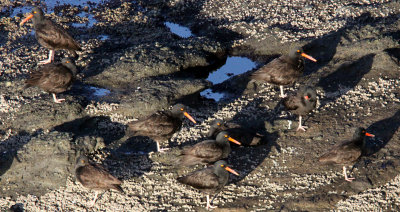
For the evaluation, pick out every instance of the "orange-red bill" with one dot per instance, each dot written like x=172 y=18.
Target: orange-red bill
x=26 y=19
x=231 y=171
x=369 y=134
x=234 y=141
x=189 y=117
x=306 y=97
x=308 y=57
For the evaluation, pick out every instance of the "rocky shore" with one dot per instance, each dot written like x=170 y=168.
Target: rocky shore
x=133 y=65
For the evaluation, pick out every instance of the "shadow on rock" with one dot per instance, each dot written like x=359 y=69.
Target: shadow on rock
x=246 y=159
x=10 y=147
x=131 y=159
x=6 y=159
x=394 y=54
x=93 y=133
x=346 y=77
x=324 y=49
x=383 y=131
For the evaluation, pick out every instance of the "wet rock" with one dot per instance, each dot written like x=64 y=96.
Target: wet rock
x=41 y=165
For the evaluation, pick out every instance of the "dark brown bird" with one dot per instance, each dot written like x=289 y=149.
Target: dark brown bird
x=207 y=151
x=51 y=36
x=209 y=180
x=301 y=103
x=347 y=152
x=94 y=176
x=161 y=125
x=284 y=70
x=246 y=136
x=54 y=78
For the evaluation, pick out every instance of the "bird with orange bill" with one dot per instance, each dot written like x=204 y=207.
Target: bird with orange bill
x=161 y=125
x=347 y=152
x=301 y=103
x=51 y=36
x=207 y=151
x=284 y=70
x=210 y=180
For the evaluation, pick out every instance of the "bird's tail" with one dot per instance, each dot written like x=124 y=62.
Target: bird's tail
x=74 y=54
x=186 y=160
x=27 y=85
x=118 y=188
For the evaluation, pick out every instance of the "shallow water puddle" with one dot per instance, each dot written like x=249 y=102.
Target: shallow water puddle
x=232 y=67
x=21 y=11
x=99 y=92
x=209 y=94
x=179 y=30
x=53 y=3
x=103 y=37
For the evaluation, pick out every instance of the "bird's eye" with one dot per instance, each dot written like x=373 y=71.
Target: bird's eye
x=181 y=109
x=226 y=136
x=222 y=165
x=82 y=161
x=34 y=12
x=67 y=62
x=298 y=51
x=218 y=124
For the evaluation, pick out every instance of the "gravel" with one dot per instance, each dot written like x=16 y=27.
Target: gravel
x=279 y=175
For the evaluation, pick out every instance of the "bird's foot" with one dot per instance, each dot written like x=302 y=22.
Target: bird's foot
x=92 y=202
x=289 y=124
x=209 y=206
x=58 y=101
x=301 y=128
x=283 y=95
x=47 y=61
x=163 y=150
x=349 y=179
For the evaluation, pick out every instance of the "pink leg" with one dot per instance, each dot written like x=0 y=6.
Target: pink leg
x=57 y=100
x=282 y=95
x=209 y=204
x=49 y=59
x=300 y=126
x=161 y=149
x=345 y=175
x=94 y=200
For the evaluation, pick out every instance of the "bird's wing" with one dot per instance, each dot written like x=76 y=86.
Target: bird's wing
x=158 y=124
x=55 y=79
x=96 y=176
x=277 y=71
x=344 y=153
x=56 y=36
x=291 y=102
x=204 y=149
x=202 y=179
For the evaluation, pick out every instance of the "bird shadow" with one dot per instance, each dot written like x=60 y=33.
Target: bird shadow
x=87 y=131
x=345 y=78
x=131 y=158
x=125 y=158
x=6 y=160
x=10 y=147
x=324 y=49
x=246 y=159
x=384 y=131
x=394 y=54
